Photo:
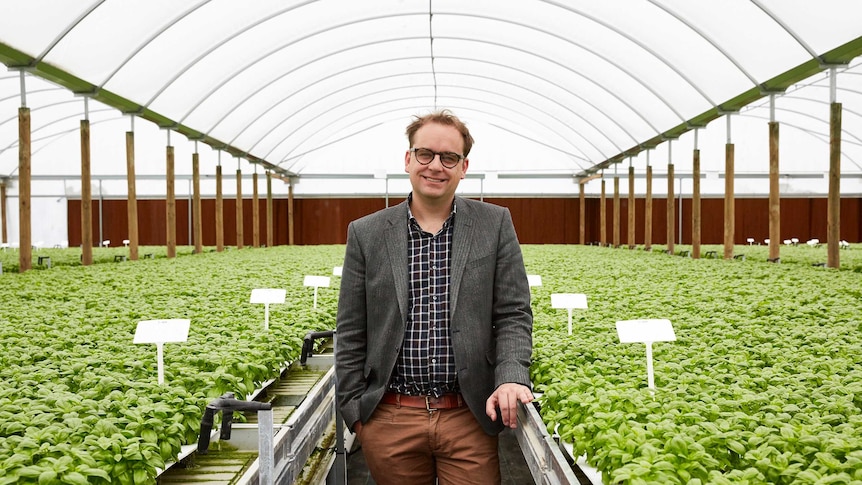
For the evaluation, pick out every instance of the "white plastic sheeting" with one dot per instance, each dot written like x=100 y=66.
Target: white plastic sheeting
x=321 y=90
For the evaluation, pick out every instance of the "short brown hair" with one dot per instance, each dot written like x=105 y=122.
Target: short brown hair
x=442 y=117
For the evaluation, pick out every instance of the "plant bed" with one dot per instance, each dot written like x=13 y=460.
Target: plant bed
x=79 y=402
x=762 y=385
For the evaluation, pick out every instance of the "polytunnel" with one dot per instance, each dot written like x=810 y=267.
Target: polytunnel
x=317 y=94
x=641 y=148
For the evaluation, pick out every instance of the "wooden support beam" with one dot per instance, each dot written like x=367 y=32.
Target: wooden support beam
x=25 y=249
x=695 y=205
x=171 y=205
x=671 y=212
x=603 y=209
x=582 y=220
x=197 y=223
x=774 y=195
x=833 y=208
x=132 y=199
x=239 y=232
x=616 y=212
x=219 y=212
x=729 y=201
x=86 y=197
x=648 y=210
x=290 y=213
x=255 y=213
x=4 y=238
x=631 y=208
x=270 y=238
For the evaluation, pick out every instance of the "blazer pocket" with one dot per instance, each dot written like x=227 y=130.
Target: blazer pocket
x=480 y=261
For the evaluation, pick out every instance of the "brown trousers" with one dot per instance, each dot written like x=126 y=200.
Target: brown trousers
x=406 y=446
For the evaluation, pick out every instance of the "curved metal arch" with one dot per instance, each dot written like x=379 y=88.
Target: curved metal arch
x=45 y=90
x=634 y=40
x=150 y=39
x=551 y=61
x=478 y=61
x=498 y=116
x=44 y=106
x=413 y=109
x=366 y=81
x=68 y=29
x=629 y=74
x=260 y=58
x=472 y=99
x=295 y=112
x=55 y=136
x=600 y=56
x=707 y=38
x=817 y=135
x=787 y=29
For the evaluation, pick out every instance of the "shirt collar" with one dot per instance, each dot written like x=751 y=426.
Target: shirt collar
x=410 y=212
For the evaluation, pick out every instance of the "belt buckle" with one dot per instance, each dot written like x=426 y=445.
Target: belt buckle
x=428 y=404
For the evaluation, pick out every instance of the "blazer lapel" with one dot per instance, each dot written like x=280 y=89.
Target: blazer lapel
x=463 y=234
x=396 y=248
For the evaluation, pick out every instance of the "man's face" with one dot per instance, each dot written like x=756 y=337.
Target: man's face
x=434 y=182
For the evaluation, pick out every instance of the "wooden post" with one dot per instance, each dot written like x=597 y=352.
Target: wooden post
x=170 y=205
x=774 y=195
x=603 y=229
x=671 y=212
x=729 y=202
x=695 y=206
x=631 y=226
x=25 y=248
x=255 y=213
x=833 y=211
x=86 y=197
x=648 y=210
x=582 y=223
x=239 y=232
x=616 y=211
x=219 y=212
x=132 y=198
x=3 y=234
x=290 y=213
x=270 y=238
x=197 y=223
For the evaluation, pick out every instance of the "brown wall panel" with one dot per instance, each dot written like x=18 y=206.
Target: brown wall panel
x=551 y=220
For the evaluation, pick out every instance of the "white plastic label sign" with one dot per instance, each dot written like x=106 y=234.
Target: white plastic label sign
x=268 y=295
x=336 y=271
x=160 y=331
x=534 y=280
x=316 y=281
x=653 y=330
x=568 y=300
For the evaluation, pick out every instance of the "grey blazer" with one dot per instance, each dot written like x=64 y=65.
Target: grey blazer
x=490 y=316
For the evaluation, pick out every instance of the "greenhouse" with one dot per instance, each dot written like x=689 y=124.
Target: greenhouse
x=177 y=180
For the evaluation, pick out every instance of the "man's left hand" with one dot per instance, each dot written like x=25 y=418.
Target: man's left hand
x=506 y=398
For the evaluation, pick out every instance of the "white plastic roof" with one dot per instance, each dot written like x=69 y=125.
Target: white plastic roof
x=323 y=89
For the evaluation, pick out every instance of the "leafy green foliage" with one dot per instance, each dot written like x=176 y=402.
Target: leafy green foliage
x=80 y=403
x=763 y=384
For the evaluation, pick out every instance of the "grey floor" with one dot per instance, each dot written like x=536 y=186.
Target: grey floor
x=513 y=468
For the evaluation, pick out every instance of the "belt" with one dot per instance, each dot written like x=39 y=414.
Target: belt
x=431 y=403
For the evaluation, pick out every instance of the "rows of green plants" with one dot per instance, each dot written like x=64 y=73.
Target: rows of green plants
x=60 y=257
x=80 y=403
x=763 y=384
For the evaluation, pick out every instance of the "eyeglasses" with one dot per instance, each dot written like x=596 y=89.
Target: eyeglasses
x=425 y=156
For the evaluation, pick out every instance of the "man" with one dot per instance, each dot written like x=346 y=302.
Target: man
x=434 y=332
